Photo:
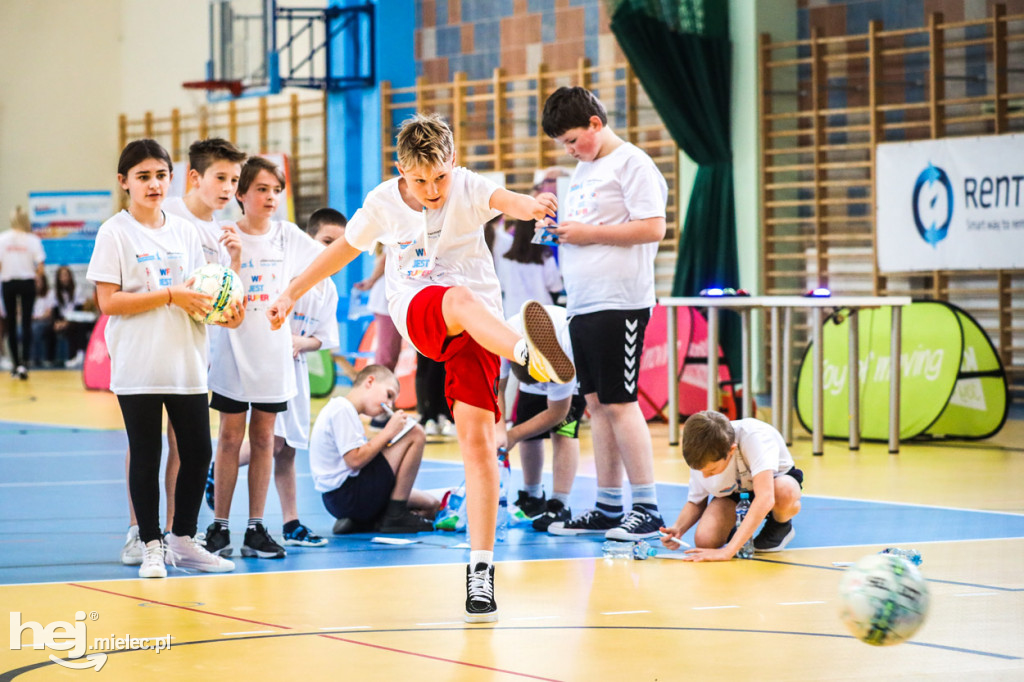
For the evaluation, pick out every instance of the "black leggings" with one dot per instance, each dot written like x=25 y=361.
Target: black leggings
x=190 y=417
x=430 y=400
x=23 y=290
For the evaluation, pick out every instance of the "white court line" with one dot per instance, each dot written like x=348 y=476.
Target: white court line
x=709 y=608
x=536 y=618
x=799 y=603
x=347 y=627
x=44 y=484
x=976 y=594
x=63 y=453
x=444 y=622
x=621 y=613
x=252 y=632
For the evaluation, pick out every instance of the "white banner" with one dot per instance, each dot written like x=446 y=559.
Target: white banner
x=951 y=204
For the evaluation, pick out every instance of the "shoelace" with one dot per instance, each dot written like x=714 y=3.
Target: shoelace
x=633 y=520
x=154 y=554
x=583 y=520
x=480 y=586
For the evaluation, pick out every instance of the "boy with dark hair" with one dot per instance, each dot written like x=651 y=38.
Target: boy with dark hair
x=725 y=459
x=612 y=221
x=445 y=299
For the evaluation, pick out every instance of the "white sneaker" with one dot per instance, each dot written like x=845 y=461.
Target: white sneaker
x=153 y=561
x=186 y=552
x=445 y=427
x=76 y=362
x=431 y=428
x=131 y=553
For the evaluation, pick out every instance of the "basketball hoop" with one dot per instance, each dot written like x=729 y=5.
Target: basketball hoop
x=234 y=87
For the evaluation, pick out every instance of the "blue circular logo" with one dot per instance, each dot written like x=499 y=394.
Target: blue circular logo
x=933 y=204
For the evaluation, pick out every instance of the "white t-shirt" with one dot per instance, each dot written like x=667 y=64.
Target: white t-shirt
x=253 y=363
x=316 y=315
x=44 y=305
x=443 y=247
x=622 y=186
x=761 y=448
x=20 y=253
x=162 y=350
x=209 y=231
x=522 y=282
x=378 y=301
x=552 y=390
x=337 y=431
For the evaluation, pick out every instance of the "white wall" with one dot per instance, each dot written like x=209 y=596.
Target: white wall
x=70 y=68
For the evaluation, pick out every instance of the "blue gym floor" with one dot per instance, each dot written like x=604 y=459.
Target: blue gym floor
x=63 y=516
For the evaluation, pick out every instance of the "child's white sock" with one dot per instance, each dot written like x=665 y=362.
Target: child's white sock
x=520 y=352
x=480 y=556
x=534 y=490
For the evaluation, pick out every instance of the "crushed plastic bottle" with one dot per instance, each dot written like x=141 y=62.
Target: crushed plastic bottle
x=639 y=550
x=742 y=507
x=911 y=555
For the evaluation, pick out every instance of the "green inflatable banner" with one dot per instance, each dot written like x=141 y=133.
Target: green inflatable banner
x=953 y=383
x=321 y=373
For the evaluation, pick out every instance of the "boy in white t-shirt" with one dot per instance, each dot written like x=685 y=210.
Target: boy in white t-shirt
x=214 y=166
x=608 y=234
x=445 y=299
x=545 y=411
x=314 y=326
x=725 y=459
x=252 y=366
x=367 y=483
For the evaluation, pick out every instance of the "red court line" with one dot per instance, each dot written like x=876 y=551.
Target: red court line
x=325 y=636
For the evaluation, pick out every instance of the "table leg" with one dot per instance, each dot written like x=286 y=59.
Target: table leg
x=787 y=375
x=672 y=325
x=895 y=348
x=818 y=402
x=775 y=351
x=712 y=358
x=745 y=334
x=853 y=365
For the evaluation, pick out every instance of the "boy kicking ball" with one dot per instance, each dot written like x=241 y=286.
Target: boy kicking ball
x=725 y=459
x=445 y=300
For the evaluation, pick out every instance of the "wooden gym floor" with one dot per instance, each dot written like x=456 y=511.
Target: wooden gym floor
x=360 y=610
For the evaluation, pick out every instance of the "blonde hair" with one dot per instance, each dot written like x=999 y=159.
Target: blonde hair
x=20 y=221
x=425 y=141
x=707 y=438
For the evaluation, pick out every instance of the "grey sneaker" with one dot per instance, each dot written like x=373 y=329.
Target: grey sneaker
x=133 y=550
x=774 y=536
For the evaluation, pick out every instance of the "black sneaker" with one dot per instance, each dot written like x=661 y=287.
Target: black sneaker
x=480 y=604
x=531 y=506
x=343 y=527
x=407 y=522
x=259 y=544
x=774 y=536
x=592 y=522
x=218 y=540
x=638 y=524
x=555 y=511
x=209 y=488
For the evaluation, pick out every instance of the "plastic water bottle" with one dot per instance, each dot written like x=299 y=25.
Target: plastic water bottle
x=742 y=507
x=911 y=555
x=504 y=479
x=639 y=550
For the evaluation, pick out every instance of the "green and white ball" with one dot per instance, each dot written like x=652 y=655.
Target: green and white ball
x=884 y=599
x=223 y=284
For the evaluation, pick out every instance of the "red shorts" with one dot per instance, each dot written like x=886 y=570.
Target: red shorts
x=471 y=371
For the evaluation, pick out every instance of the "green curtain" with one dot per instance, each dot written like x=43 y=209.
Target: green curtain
x=681 y=54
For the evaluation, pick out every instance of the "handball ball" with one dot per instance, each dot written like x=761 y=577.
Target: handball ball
x=223 y=284
x=884 y=599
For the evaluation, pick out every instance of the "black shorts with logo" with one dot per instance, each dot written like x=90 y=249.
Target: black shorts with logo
x=606 y=348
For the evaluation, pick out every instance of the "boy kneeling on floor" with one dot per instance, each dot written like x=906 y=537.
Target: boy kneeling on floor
x=367 y=483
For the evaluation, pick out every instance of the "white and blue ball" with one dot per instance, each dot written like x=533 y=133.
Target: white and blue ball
x=884 y=599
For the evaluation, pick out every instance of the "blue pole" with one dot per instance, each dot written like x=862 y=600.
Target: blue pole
x=353 y=127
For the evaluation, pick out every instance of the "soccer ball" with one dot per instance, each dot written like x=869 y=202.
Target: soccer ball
x=223 y=284
x=884 y=599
